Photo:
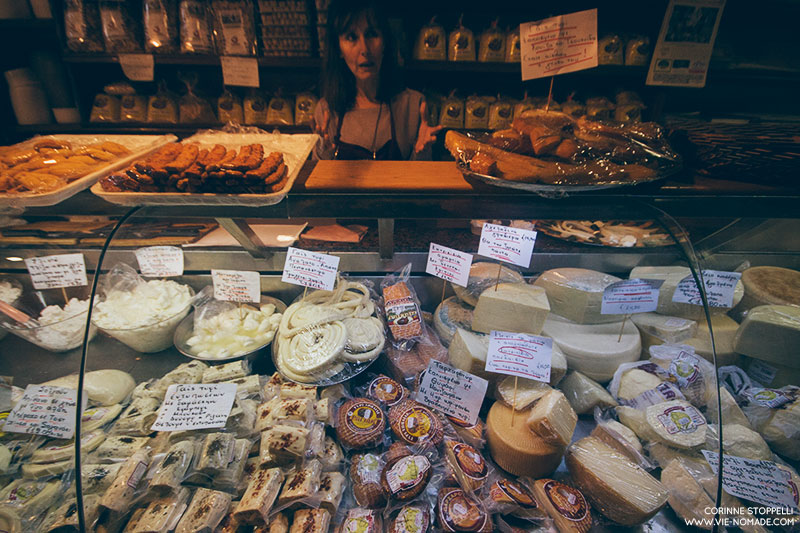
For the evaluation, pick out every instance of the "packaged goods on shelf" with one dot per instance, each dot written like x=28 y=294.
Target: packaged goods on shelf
x=431 y=43
x=234 y=27
x=160 y=22
x=196 y=27
x=82 y=26
x=461 y=44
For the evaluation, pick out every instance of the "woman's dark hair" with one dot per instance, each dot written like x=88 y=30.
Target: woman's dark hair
x=338 y=83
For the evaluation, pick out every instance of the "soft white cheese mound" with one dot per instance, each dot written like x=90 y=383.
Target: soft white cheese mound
x=8 y=292
x=61 y=328
x=234 y=332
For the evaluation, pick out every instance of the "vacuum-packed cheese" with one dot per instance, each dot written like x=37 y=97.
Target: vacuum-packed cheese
x=671 y=329
x=677 y=423
x=553 y=419
x=584 y=394
x=739 y=441
x=635 y=382
x=206 y=511
x=596 y=350
x=577 y=293
x=731 y=412
x=620 y=489
x=513 y=307
x=770 y=333
x=620 y=437
x=686 y=495
x=564 y=504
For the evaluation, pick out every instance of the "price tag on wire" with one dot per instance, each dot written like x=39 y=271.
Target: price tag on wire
x=236 y=285
x=160 y=261
x=630 y=296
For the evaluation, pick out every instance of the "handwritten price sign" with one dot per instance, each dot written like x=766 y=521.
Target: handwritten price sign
x=454 y=392
x=518 y=354
x=558 y=45
x=44 y=410
x=511 y=245
x=720 y=286
x=630 y=296
x=448 y=264
x=197 y=406
x=310 y=269
x=160 y=261
x=57 y=271
x=236 y=285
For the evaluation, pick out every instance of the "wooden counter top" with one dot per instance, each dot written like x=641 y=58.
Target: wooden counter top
x=389 y=176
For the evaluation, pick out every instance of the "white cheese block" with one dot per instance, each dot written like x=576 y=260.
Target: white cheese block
x=597 y=349
x=523 y=395
x=687 y=497
x=450 y=315
x=577 y=293
x=662 y=455
x=620 y=437
x=739 y=441
x=672 y=276
x=731 y=412
x=260 y=495
x=618 y=488
x=584 y=394
x=483 y=275
x=636 y=420
x=553 y=419
x=226 y=372
x=102 y=387
x=782 y=430
x=670 y=329
x=677 y=423
x=771 y=333
x=635 y=382
x=517 y=307
x=468 y=352
x=768 y=285
x=724 y=328
x=771 y=374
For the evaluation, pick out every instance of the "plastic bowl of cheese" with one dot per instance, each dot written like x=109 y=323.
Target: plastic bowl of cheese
x=146 y=316
x=57 y=324
x=231 y=331
x=10 y=291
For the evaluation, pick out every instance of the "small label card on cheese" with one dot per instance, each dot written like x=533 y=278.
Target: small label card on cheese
x=310 y=269
x=236 y=285
x=720 y=287
x=454 y=392
x=195 y=406
x=758 y=481
x=57 y=271
x=240 y=71
x=512 y=245
x=160 y=261
x=519 y=354
x=137 y=67
x=557 y=45
x=44 y=410
x=449 y=264
x=630 y=296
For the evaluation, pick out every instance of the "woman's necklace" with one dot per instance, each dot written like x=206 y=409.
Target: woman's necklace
x=375 y=135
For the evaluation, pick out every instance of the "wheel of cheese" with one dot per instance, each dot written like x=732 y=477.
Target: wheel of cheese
x=365 y=475
x=449 y=316
x=566 y=505
x=515 y=448
x=596 y=350
x=577 y=293
x=360 y=423
x=413 y=423
x=765 y=285
x=483 y=276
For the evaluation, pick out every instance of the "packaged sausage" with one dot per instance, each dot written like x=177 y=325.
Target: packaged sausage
x=414 y=423
x=360 y=424
x=229 y=108
x=492 y=44
x=195 y=28
x=82 y=26
x=234 y=27
x=365 y=475
x=161 y=26
x=120 y=22
x=431 y=43
x=405 y=474
x=362 y=521
x=461 y=43
x=415 y=518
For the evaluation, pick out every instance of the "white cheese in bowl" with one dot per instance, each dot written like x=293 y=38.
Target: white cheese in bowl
x=234 y=332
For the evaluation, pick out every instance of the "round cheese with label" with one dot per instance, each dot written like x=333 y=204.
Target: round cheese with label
x=413 y=423
x=565 y=505
x=365 y=474
x=360 y=424
x=458 y=511
x=466 y=463
x=407 y=477
x=517 y=449
x=386 y=390
x=411 y=519
x=677 y=423
x=768 y=285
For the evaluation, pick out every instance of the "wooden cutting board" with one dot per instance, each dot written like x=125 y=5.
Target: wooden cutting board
x=405 y=176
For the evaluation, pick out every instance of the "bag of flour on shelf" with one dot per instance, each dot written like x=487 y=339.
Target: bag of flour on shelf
x=229 y=108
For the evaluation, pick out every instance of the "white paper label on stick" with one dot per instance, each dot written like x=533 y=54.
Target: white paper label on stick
x=758 y=481
x=240 y=71
x=448 y=264
x=44 y=410
x=519 y=354
x=511 y=245
x=195 y=406
x=310 y=269
x=557 y=45
x=630 y=296
x=160 y=261
x=454 y=392
x=720 y=287
x=137 y=67
x=57 y=271
x=236 y=285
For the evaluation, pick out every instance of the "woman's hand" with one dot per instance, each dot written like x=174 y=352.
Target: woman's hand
x=322 y=130
x=427 y=134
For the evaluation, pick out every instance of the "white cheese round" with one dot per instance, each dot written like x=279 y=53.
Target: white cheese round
x=577 y=294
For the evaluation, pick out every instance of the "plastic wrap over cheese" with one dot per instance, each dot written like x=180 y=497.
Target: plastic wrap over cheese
x=577 y=293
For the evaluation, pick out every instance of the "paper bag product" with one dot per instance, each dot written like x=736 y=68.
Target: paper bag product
x=234 y=27
x=431 y=43
x=477 y=113
x=461 y=43
x=162 y=108
x=512 y=48
x=120 y=22
x=610 y=50
x=304 y=105
x=255 y=108
x=133 y=108
x=105 y=109
x=161 y=26
x=452 y=114
x=82 y=26
x=196 y=36
x=492 y=44
x=279 y=112
x=637 y=51
x=229 y=108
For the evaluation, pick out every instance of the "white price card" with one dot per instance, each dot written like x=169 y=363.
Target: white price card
x=137 y=67
x=452 y=391
x=630 y=296
x=310 y=269
x=449 y=264
x=520 y=354
x=44 y=410
x=160 y=261
x=195 y=406
x=720 y=287
x=57 y=271
x=759 y=481
x=236 y=285
x=511 y=245
x=240 y=71
x=557 y=45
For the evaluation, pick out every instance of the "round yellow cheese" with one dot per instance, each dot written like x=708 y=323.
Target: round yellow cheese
x=517 y=449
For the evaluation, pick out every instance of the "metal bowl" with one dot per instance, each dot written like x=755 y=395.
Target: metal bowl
x=186 y=327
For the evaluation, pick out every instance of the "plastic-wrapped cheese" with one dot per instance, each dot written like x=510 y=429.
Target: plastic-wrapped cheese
x=771 y=374
x=597 y=349
x=677 y=423
x=672 y=276
x=515 y=448
x=768 y=285
x=103 y=387
x=449 y=316
x=577 y=294
x=621 y=490
x=724 y=328
x=514 y=307
x=584 y=394
x=731 y=412
x=483 y=276
x=620 y=437
x=553 y=419
x=635 y=382
x=687 y=497
x=739 y=441
x=782 y=430
x=771 y=333
x=669 y=329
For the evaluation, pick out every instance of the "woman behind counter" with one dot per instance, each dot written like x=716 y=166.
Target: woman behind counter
x=365 y=112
